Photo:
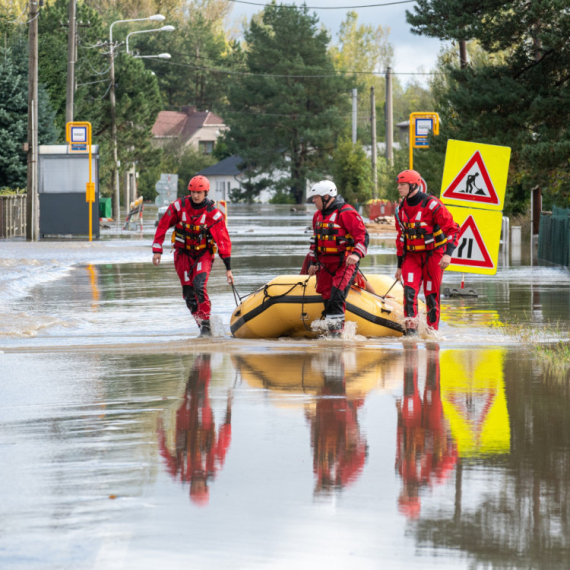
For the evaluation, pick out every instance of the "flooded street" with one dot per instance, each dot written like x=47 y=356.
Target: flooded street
x=128 y=443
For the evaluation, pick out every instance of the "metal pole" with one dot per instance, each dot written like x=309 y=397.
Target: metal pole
x=354 y=114
x=70 y=63
x=531 y=225
x=32 y=226
x=374 y=146
x=389 y=119
x=115 y=169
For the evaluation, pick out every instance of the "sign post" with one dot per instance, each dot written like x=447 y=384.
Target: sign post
x=420 y=126
x=78 y=135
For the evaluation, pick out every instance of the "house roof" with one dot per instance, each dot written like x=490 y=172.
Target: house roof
x=184 y=123
x=226 y=167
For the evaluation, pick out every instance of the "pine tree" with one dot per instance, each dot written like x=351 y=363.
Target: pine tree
x=519 y=96
x=286 y=115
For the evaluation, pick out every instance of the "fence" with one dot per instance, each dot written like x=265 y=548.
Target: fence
x=554 y=236
x=12 y=215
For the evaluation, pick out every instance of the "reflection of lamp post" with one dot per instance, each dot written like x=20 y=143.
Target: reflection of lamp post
x=155 y=18
x=163 y=29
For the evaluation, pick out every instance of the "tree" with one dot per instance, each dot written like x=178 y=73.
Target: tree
x=352 y=171
x=285 y=115
x=14 y=114
x=518 y=96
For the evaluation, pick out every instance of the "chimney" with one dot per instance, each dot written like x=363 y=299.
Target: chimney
x=189 y=109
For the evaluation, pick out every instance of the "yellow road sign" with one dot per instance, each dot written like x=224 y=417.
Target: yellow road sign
x=477 y=248
x=475 y=175
x=474 y=401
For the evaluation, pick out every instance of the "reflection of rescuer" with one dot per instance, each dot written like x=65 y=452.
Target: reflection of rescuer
x=200 y=230
x=427 y=237
x=340 y=240
x=199 y=451
x=339 y=450
x=425 y=451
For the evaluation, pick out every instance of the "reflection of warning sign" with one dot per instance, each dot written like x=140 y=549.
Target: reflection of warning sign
x=478 y=242
x=475 y=174
x=473 y=183
x=471 y=249
x=474 y=401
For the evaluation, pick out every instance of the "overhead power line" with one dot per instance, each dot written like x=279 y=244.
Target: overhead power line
x=323 y=7
x=319 y=76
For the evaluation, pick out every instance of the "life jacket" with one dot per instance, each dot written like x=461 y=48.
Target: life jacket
x=330 y=237
x=191 y=234
x=421 y=233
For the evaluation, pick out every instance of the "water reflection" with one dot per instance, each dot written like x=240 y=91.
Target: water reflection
x=199 y=449
x=339 y=447
x=425 y=452
x=337 y=383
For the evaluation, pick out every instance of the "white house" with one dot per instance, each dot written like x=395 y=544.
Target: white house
x=224 y=177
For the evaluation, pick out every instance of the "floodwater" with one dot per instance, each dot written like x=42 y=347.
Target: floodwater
x=128 y=443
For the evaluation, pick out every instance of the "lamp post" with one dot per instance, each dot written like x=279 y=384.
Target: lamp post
x=159 y=56
x=154 y=18
x=163 y=29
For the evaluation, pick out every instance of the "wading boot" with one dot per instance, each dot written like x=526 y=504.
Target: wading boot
x=205 y=329
x=411 y=332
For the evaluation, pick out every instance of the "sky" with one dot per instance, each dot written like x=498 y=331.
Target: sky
x=412 y=52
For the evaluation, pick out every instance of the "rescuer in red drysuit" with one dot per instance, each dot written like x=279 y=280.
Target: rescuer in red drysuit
x=340 y=240
x=427 y=237
x=339 y=449
x=200 y=228
x=199 y=452
x=425 y=451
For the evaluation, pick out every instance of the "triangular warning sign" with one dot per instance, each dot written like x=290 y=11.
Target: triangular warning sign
x=473 y=408
x=471 y=250
x=473 y=183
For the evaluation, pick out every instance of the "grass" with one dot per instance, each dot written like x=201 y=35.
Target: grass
x=548 y=342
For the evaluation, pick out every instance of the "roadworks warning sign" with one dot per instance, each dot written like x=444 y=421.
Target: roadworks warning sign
x=475 y=175
x=474 y=401
x=478 y=242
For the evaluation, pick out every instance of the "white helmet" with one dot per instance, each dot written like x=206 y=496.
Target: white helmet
x=322 y=188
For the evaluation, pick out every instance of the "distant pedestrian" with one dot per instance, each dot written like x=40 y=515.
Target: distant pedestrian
x=427 y=237
x=340 y=240
x=200 y=230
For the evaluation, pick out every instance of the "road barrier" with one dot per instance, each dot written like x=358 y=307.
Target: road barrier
x=12 y=215
x=554 y=236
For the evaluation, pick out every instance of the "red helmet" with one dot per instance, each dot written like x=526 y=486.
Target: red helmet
x=409 y=177
x=199 y=184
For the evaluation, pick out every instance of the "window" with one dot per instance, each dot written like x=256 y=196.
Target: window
x=206 y=147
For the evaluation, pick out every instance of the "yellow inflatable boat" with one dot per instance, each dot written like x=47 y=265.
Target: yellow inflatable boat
x=288 y=304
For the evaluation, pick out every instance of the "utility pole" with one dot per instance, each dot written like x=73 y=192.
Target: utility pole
x=389 y=119
x=115 y=170
x=374 y=146
x=354 y=114
x=32 y=209
x=71 y=57
x=462 y=54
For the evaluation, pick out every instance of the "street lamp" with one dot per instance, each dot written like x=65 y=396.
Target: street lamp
x=154 y=18
x=159 y=56
x=163 y=29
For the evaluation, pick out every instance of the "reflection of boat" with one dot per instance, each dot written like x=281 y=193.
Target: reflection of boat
x=337 y=382
x=306 y=372
x=288 y=304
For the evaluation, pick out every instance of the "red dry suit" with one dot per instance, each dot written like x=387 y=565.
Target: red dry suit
x=425 y=451
x=199 y=452
x=199 y=231
x=426 y=231
x=338 y=232
x=339 y=449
